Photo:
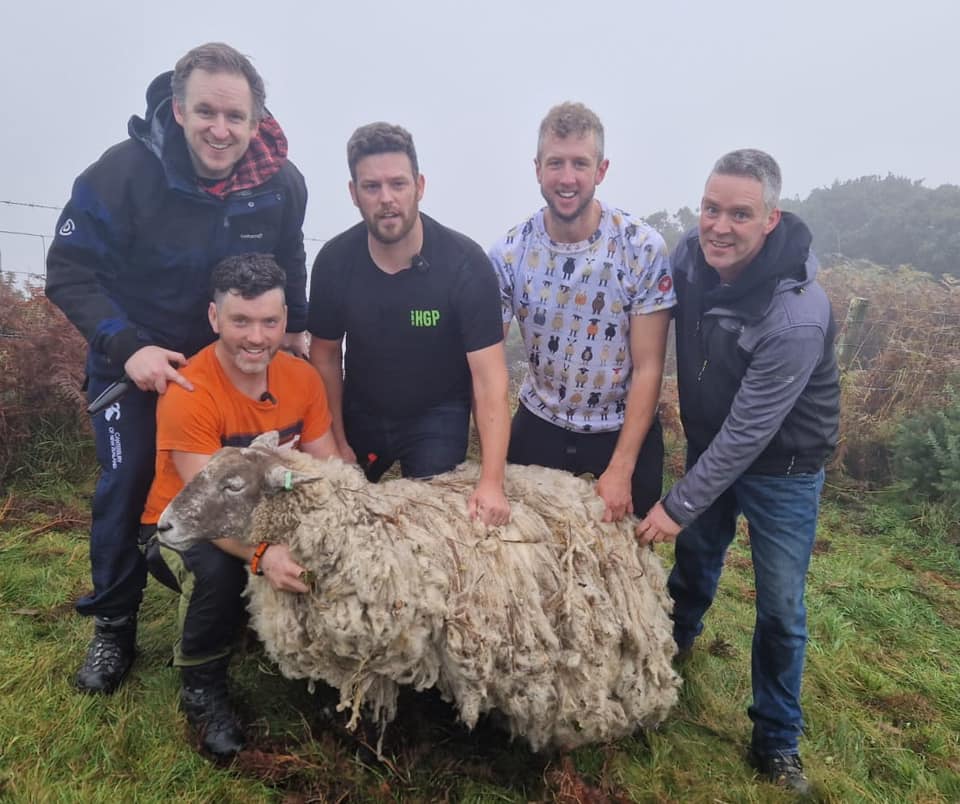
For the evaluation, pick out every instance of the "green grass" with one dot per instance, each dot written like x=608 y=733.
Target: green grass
x=881 y=694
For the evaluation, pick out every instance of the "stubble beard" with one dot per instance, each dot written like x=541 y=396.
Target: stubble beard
x=573 y=217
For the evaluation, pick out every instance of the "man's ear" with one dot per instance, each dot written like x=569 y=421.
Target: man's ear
x=602 y=170
x=421 y=184
x=772 y=220
x=177 y=112
x=353 y=192
x=212 y=317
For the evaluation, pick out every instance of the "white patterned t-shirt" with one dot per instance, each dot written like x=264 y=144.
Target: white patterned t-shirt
x=574 y=302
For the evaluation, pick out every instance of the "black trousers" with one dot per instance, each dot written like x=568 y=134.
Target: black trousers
x=536 y=441
x=210 y=583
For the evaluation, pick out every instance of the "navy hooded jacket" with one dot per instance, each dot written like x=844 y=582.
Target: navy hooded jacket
x=135 y=246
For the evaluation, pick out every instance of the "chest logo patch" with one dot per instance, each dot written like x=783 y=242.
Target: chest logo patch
x=424 y=318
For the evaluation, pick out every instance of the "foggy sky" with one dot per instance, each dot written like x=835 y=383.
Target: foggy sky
x=833 y=89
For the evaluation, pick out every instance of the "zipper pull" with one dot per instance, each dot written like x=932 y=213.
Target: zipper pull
x=702 y=369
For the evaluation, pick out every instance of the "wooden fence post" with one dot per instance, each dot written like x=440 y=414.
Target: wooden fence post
x=849 y=343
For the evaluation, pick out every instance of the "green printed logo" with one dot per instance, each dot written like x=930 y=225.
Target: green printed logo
x=424 y=318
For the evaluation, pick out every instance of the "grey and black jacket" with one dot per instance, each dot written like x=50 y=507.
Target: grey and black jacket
x=756 y=370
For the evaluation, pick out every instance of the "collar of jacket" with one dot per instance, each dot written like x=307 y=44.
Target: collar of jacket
x=783 y=257
x=159 y=132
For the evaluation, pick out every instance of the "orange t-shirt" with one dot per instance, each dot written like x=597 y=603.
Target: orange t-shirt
x=215 y=414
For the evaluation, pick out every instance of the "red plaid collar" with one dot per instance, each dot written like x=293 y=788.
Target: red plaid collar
x=264 y=157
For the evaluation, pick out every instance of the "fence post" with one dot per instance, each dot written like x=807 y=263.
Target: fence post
x=850 y=339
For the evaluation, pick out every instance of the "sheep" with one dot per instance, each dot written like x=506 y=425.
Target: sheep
x=557 y=620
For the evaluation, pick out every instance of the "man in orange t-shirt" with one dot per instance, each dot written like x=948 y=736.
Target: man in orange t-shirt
x=243 y=387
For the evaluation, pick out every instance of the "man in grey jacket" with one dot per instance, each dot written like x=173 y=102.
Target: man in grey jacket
x=760 y=406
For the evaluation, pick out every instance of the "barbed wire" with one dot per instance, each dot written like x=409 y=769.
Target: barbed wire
x=48 y=235
x=22 y=273
x=31 y=204
x=904 y=371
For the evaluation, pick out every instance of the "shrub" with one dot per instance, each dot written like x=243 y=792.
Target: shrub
x=905 y=353
x=926 y=451
x=43 y=423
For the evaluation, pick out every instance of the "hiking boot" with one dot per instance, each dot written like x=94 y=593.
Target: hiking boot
x=684 y=654
x=109 y=655
x=206 y=703
x=783 y=770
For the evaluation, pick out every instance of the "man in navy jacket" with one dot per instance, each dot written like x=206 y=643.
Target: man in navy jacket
x=760 y=405
x=204 y=175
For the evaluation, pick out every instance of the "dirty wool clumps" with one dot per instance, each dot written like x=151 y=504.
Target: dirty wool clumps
x=557 y=620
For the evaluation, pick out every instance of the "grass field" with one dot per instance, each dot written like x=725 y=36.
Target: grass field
x=881 y=694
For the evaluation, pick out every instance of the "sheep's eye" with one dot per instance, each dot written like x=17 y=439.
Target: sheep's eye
x=233 y=485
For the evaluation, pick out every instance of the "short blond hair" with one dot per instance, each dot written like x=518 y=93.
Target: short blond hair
x=571 y=119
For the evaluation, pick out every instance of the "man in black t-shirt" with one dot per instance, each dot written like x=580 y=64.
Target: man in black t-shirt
x=419 y=306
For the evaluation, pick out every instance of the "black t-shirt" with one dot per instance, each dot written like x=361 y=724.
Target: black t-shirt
x=407 y=334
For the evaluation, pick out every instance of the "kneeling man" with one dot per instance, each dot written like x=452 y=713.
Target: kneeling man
x=243 y=386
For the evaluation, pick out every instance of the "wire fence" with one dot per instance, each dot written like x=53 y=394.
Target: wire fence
x=45 y=237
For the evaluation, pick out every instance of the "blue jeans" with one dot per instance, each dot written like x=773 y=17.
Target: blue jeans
x=125 y=435
x=426 y=444
x=782 y=514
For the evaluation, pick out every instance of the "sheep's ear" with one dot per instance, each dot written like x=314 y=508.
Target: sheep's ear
x=280 y=478
x=268 y=440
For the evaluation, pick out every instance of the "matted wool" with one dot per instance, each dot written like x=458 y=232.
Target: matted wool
x=557 y=620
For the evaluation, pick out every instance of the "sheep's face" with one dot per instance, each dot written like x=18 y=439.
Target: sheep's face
x=220 y=499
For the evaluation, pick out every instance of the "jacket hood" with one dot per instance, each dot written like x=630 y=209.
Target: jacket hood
x=151 y=129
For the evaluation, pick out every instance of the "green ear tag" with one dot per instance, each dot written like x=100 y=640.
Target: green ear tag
x=288 y=481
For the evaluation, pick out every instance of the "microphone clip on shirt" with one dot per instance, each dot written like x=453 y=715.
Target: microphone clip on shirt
x=419 y=264
x=266 y=396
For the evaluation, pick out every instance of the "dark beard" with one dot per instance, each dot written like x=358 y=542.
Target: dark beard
x=396 y=238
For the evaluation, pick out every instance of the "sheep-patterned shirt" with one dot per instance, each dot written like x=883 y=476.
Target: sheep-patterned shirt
x=573 y=302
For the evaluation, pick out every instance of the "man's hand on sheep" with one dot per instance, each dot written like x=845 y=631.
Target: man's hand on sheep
x=283 y=573
x=488 y=503
x=153 y=368
x=347 y=455
x=613 y=487
x=657 y=526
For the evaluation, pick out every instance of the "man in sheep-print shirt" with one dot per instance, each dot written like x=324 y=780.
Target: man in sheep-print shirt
x=591 y=289
x=242 y=387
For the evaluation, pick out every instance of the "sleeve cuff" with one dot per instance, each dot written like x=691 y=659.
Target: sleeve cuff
x=675 y=511
x=121 y=346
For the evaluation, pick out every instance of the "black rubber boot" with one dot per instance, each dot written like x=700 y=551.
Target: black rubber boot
x=206 y=703
x=109 y=655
